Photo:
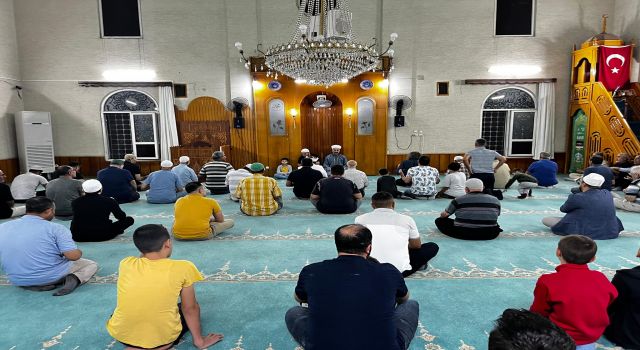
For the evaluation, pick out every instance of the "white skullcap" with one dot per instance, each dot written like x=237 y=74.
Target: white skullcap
x=305 y=150
x=166 y=164
x=336 y=147
x=184 y=159
x=91 y=186
x=457 y=158
x=474 y=184
x=593 y=179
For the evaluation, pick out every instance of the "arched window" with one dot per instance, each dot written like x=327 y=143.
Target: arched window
x=130 y=125
x=366 y=109
x=508 y=117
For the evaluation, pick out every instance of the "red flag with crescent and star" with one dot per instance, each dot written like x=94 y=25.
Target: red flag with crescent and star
x=614 y=66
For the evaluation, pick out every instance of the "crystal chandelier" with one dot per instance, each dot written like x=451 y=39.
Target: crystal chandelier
x=324 y=50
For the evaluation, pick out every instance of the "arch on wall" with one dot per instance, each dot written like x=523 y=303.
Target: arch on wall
x=129 y=121
x=508 y=119
x=321 y=127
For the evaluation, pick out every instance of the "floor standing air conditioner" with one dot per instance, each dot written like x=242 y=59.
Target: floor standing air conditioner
x=35 y=141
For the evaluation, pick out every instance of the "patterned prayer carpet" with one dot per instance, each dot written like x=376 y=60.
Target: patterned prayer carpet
x=251 y=272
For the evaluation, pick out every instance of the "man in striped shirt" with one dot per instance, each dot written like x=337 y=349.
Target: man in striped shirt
x=215 y=173
x=259 y=195
x=476 y=215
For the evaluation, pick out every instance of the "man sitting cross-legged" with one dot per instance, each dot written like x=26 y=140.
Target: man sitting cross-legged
x=147 y=314
x=164 y=185
x=476 y=214
x=391 y=233
x=423 y=179
x=259 y=195
x=91 y=212
x=63 y=191
x=40 y=255
x=335 y=194
x=352 y=300
x=7 y=205
x=304 y=179
x=198 y=217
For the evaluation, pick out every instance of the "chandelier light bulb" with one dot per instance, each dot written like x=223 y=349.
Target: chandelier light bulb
x=393 y=36
x=303 y=28
x=391 y=52
x=238 y=45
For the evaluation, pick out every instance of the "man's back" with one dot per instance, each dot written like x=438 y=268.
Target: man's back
x=482 y=160
x=545 y=171
x=423 y=180
x=91 y=214
x=147 y=311
x=34 y=256
x=234 y=177
x=192 y=214
x=352 y=303
x=336 y=195
x=162 y=186
x=303 y=181
x=215 y=173
x=358 y=177
x=62 y=191
x=24 y=185
x=116 y=183
x=475 y=209
x=387 y=183
x=185 y=174
x=590 y=213
x=258 y=194
x=391 y=233
x=602 y=170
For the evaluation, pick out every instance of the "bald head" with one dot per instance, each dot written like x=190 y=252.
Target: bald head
x=352 y=164
x=353 y=239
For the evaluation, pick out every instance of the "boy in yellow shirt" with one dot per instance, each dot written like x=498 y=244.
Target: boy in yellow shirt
x=198 y=217
x=147 y=314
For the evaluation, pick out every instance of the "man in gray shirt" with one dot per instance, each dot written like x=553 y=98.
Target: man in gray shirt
x=63 y=190
x=479 y=161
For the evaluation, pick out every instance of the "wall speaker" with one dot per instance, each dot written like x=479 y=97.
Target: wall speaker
x=398 y=120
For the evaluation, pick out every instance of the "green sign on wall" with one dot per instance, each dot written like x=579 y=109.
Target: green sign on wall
x=579 y=139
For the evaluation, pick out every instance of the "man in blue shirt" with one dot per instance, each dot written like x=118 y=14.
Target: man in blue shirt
x=335 y=158
x=118 y=183
x=352 y=300
x=163 y=185
x=184 y=173
x=544 y=170
x=590 y=212
x=39 y=255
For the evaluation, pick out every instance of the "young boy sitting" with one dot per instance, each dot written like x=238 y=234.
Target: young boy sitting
x=574 y=297
x=148 y=315
x=284 y=169
x=387 y=183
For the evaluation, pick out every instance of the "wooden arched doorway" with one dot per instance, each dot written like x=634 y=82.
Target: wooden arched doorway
x=321 y=127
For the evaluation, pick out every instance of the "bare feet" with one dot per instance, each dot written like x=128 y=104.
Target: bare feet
x=208 y=340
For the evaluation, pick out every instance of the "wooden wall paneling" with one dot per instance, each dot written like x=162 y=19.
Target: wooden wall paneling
x=243 y=141
x=10 y=167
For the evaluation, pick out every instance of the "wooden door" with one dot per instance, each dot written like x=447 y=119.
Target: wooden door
x=321 y=127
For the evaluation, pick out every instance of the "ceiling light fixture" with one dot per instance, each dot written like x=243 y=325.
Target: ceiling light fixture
x=323 y=50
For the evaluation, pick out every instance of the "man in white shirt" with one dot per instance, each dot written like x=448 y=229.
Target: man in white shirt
x=396 y=239
x=356 y=176
x=316 y=166
x=24 y=186
x=453 y=183
x=233 y=179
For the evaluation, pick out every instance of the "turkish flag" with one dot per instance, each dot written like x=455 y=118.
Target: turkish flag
x=614 y=65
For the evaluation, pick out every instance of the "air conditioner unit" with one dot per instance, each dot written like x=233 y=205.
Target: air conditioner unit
x=35 y=141
x=339 y=24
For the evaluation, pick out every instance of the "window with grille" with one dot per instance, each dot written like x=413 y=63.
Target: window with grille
x=508 y=119
x=130 y=125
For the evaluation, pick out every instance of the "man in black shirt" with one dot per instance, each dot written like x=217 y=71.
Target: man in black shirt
x=131 y=165
x=352 y=300
x=91 y=221
x=7 y=209
x=387 y=183
x=304 y=179
x=335 y=194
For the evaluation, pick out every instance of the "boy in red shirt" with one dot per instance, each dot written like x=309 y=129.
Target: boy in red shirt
x=574 y=297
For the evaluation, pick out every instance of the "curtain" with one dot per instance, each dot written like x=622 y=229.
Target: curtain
x=168 y=128
x=544 y=123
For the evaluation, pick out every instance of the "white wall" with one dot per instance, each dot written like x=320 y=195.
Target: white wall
x=9 y=78
x=627 y=25
x=192 y=42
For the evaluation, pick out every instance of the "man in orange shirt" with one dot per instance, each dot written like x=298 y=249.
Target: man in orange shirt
x=198 y=217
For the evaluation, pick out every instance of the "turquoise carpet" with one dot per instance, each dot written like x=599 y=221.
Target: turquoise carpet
x=251 y=272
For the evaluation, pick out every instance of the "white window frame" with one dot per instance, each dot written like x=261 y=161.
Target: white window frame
x=509 y=132
x=495 y=21
x=121 y=37
x=105 y=136
x=134 y=142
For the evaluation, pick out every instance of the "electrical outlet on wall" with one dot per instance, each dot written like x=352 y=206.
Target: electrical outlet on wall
x=415 y=132
x=420 y=133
